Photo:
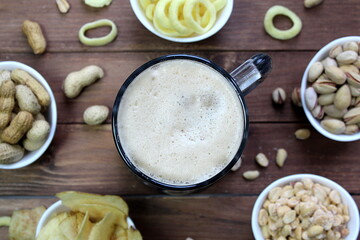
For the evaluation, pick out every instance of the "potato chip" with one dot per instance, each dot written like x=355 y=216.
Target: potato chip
x=105 y=228
x=51 y=230
x=85 y=228
x=5 y=221
x=24 y=222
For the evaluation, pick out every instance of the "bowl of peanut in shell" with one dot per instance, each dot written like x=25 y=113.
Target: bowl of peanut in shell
x=28 y=116
x=330 y=90
x=305 y=206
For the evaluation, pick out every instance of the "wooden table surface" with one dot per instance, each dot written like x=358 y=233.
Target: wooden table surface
x=84 y=158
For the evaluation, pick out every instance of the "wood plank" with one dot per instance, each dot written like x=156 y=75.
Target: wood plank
x=287 y=73
x=175 y=218
x=84 y=158
x=243 y=31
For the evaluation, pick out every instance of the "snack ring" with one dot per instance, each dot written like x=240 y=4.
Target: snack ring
x=99 y=41
x=277 y=33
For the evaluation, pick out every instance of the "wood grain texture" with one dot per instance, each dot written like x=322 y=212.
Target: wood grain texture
x=287 y=73
x=85 y=158
x=201 y=218
x=243 y=31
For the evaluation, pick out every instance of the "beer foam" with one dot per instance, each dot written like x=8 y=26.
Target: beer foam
x=180 y=122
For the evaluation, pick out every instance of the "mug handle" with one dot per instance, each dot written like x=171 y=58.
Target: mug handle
x=252 y=72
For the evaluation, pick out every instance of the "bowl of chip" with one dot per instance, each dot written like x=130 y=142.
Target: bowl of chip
x=48 y=113
x=307 y=206
x=183 y=21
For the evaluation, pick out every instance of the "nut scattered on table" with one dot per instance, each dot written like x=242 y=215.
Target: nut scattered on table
x=262 y=160
x=251 y=174
x=279 y=96
x=296 y=97
x=281 y=156
x=96 y=114
x=302 y=133
x=237 y=165
x=63 y=6
x=333 y=94
x=304 y=210
x=35 y=36
x=312 y=3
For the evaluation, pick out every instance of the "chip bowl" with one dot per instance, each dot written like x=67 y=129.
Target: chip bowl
x=319 y=56
x=58 y=207
x=222 y=17
x=51 y=116
x=353 y=225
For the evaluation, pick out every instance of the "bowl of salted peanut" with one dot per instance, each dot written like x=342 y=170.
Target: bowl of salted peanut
x=28 y=115
x=305 y=206
x=183 y=21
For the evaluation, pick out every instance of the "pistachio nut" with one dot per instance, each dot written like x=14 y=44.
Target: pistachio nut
x=312 y=3
x=315 y=71
x=296 y=97
x=326 y=99
x=332 y=111
x=302 y=133
x=324 y=86
x=335 y=51
x=279 y=96
x=353 y=101
x=335 y=74
x=329 y=62
x=353 y=79
x=342 y=98
x=310 y=98
x=334 y=126
x=347 y=57
x=318 y=112
x=357 y=62
x=351 y=129
x=352 y=46
x=352 y=116
x=357 y=102
x=349 y=68
x=355 y=92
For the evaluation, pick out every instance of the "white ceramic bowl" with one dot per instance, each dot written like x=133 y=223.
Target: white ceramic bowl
x=353 y=224
x=58 y=207
x=51 y=116
x=320 y=55
x=222 y=17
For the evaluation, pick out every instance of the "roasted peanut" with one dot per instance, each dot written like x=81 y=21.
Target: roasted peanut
x=7 y=102
x=20 y=76
x=10 y=153
x=96 y=114
x=27 y=100
x=76 y=81
x=18 y=127
x=35 y=36
x=4 y=76
x=37 y=135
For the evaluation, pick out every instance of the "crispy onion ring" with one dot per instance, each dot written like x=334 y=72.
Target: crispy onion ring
x=277 y=33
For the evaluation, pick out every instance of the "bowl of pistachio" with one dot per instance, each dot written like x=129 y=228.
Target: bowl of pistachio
x=330 y=90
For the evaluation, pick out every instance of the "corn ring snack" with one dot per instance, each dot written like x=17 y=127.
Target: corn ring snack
x=174 y=14
x=218 y=4
x=98 y=41
x=161 y=13
x=277 y=33
x=149 y=12
x=163 y=30
x=144 y=3
x=189 y=18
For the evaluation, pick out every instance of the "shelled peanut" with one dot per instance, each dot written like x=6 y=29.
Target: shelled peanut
x=304 y=210
x=334 y=94
x=22 y=99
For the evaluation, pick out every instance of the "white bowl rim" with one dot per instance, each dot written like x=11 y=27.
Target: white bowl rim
x=346 y=198
x=59 y=207
x=222 y=18
x=314 y=122
x=31 y=157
